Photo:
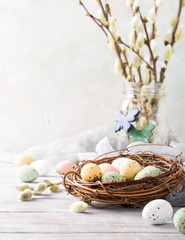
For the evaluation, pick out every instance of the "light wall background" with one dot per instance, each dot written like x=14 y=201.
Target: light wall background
x=57 y=75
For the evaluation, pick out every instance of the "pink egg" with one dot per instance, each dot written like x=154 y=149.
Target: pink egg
x=106 y=167
x=64 y=166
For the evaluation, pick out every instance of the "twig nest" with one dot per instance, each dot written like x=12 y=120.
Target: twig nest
x=179 y=220
x=129 y=168
x=157 y=211
x=91 y=172
x=111 y=177
x=149 y=171
x=127 y=192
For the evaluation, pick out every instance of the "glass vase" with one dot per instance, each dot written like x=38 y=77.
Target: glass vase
x=149 y=99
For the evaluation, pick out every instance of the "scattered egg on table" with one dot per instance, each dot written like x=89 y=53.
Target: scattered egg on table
x=111 y=177
x=157 y=211
x=22 y=159
x=129 y=168
x=64 y=167
x=27 y=173
x=42 y=167
x=107 y=167
x=91 y=172
x=117 y=162
x=149 y=171
x=78 y=207
x=179 y=220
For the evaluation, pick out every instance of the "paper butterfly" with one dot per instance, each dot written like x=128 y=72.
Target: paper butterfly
x=123 y=121
x=140 y=135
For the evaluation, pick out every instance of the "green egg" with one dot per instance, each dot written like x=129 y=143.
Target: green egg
x=149 y=171
x=111 y=177
x=27 y=173
x=179 y=220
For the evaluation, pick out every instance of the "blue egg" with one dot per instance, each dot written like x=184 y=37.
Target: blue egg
x=27 y=173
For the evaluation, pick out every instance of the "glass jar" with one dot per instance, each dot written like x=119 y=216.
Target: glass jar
x=149 y=99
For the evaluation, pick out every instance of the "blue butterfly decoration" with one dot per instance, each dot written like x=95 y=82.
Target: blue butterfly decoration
x=123 y=121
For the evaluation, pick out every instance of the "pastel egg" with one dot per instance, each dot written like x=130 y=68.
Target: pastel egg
x=27 y=173
x=179 y=220
x=149 y=171
x=22 y=159
x=129 y=168
x=157 y=211
x=117 y=162
x=42 y=167
x=106 y=167
x=91 y=172
x=64 y=167
x=111 y=177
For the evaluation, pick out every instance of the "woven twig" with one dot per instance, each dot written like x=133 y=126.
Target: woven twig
x=130 y=192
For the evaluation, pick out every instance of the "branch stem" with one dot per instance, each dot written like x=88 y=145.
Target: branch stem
x=149 y=47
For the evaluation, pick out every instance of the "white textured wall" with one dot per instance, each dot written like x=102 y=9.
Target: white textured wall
x=57 y=74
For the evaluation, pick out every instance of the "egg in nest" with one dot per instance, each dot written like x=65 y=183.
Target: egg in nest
x=129 y=168
x=149 y=171
x=111 y=177
x=91 y=172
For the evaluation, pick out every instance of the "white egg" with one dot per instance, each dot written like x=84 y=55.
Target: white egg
x=157 y=211
x=42 y=167
x=117 y=162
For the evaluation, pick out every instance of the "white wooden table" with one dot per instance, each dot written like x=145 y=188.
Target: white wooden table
x=50 y=218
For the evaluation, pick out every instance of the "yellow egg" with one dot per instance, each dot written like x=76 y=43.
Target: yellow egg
x=22 y=159
x=129 y=168
x=91 y=172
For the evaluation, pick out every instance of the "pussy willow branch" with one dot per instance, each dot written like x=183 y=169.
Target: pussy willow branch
x=163 y=70
x=126 y=45
x=102 y=26
x=153 y=24
x=139 y=74
x=135 y=33
x=103 y=10
x=177 y=22
x=149 y=47
x=93 y=18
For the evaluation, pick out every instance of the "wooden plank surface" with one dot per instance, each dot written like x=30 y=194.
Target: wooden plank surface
x=91 y=236
x=49 y=217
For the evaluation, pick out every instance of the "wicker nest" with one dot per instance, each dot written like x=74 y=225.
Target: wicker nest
x=131 y=192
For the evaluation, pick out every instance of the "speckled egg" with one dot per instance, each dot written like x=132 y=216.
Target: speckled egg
x=22 y=159
x=106 y=167
x=129 y=168
x=149 y=171
x=64 y=167
x=27 y=173
x=42 y=167
x=91 y=172
x=179 y=220
x=157 y=211
x=117 y=162
x=111 y=177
